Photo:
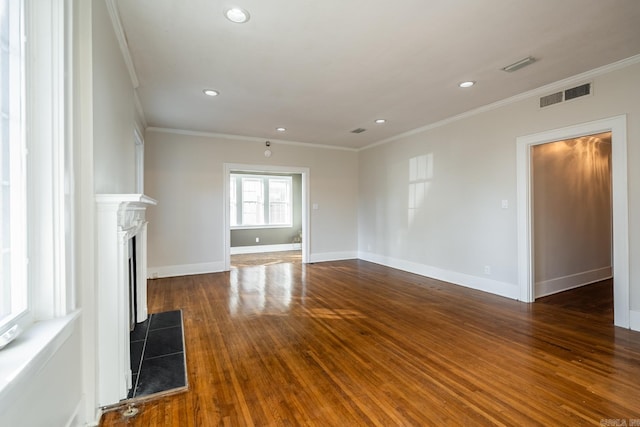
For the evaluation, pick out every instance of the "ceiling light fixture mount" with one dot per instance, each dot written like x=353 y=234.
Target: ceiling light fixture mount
x=281 y=129
x=211 y=92
x=519 y=64
x=237 y=15
x=267 y=152
x=467 y=84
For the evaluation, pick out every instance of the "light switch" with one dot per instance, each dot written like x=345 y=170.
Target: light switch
x=505 y=204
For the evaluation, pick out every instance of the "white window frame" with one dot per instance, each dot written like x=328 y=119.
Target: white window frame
x=49 y=243
x=265 y=179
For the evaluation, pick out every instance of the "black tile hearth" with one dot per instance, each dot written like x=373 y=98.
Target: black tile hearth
x=166 y=319
x=139 y=333
x=157 y=355
x=161 y=374
x=164 y=341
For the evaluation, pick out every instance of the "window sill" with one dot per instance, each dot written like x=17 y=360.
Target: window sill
x=258 y=227
x=21 y=359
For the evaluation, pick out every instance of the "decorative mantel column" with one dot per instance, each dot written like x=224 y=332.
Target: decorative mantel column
x=119 y=217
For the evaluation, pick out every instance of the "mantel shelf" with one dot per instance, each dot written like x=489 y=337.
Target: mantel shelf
x=125 y=198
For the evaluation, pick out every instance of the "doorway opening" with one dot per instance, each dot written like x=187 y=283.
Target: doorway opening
x=571 y=217
x=266 y=214
x=619 y=212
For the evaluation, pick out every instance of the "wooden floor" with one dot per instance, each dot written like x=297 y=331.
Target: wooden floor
x=352 y=343
x=266 y=258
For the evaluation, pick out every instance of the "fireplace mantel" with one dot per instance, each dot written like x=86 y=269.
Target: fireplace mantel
x=119 y=217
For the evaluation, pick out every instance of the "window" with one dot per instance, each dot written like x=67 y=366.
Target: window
x=260 y=201
x=36 y=158
x=13 y=289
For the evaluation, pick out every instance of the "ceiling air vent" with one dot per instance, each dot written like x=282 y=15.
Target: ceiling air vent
x=554 y=98
x=565 y=95
x=359 y=130
x=578 y=91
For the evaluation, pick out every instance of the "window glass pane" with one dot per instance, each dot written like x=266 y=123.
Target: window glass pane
x=13 y=289
x=233 y=202
x=279 y=201
x=252 y=201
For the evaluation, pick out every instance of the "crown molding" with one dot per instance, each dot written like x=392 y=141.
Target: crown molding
x=112 y=7
x=541 y=91
x=247 y=138
x=138 y=106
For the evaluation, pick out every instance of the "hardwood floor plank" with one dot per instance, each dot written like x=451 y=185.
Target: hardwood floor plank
x=354 y=343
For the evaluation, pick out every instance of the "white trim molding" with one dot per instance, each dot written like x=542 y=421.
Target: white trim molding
x=114 y=14
x=634 y=320
x=504 y=289
x=247 y=138
x=265 y=248
x=185 y=269
x=571 y=281
x=618 y=127
x=332 y=256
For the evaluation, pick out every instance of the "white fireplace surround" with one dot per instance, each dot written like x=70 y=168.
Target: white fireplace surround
x=119 y=217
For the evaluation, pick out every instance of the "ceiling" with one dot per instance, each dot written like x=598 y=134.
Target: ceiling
x=324 y=68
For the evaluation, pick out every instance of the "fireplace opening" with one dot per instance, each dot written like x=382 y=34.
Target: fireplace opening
x=133 y=284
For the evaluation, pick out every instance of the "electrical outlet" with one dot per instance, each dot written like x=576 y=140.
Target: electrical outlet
x=257 y=240
x=487 y=269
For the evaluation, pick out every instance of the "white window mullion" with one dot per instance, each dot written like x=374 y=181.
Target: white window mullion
x=47 y=165
x=59 y=167
x=267 y=201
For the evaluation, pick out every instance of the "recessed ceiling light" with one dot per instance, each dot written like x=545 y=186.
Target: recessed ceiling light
x=281 y=129
x=467 y=84
x=237 y=15
x=380 y=121
x=211 y=92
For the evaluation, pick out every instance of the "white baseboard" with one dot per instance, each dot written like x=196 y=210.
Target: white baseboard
x=634 y=320
x=74 y=419
x=98 y=418
x=508 y=290
x=560 y=284
x=332 y=256
x=184 y=269
x=265 y=248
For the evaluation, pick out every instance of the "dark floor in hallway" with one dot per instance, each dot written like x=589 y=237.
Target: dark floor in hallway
x=595 y=299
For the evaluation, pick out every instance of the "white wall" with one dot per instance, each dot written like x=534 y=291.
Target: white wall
x=54 y=396
x=185 y=174
x=457 y=226
x=113 y=109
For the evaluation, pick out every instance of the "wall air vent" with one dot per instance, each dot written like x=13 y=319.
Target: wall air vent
x=565 y=95
x=359 y=130
x=578 y=91
x=554 y=98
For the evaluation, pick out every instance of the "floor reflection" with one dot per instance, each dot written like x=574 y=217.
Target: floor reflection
x=261 y=290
